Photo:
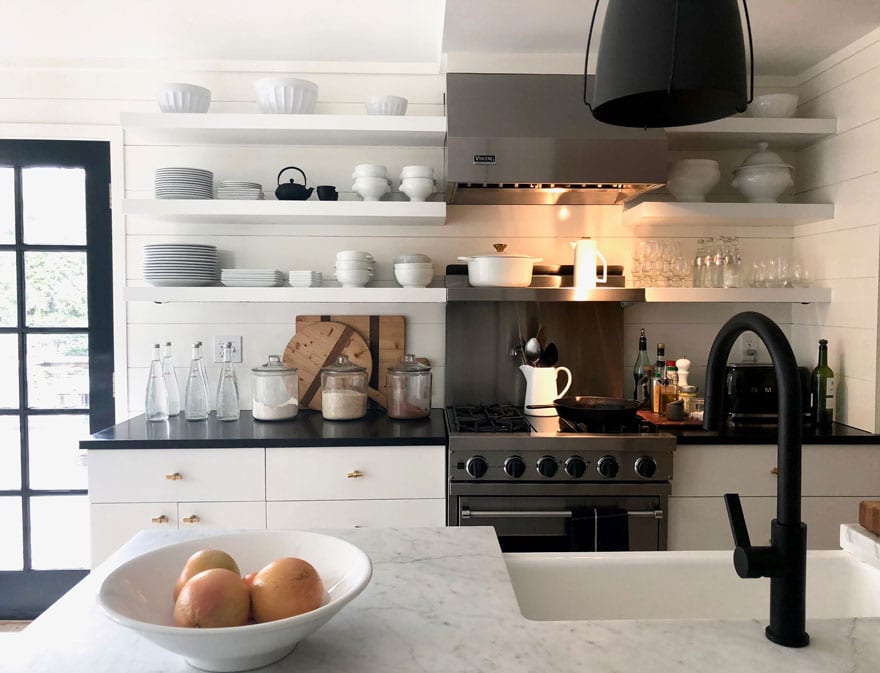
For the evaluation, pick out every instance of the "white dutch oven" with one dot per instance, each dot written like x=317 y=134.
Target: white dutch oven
x=499 y=269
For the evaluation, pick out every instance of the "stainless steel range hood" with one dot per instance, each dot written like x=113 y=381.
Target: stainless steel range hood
x=529 y=139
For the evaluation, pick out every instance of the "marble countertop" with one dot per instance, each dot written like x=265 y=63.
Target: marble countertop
x=440 y=601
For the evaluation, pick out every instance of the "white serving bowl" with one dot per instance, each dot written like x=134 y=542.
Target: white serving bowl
x=407 y=275
x=138 y=595
x=762 y=183
x=417 y=189
x=386 y=105
x=353 y=277
x=180 y=97
x=774 y=105
x=371 y=189
x=692 y=179
x=286 y=95
x=369 y=171
x=355 y=255
x=412 y=257
x=353 y=264
x=416 y=172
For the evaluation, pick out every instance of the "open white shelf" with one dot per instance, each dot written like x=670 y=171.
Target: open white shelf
x=213 y=211
x=783 y=133
x=359 y=295
x=727 y=214
x=159 y=128
x=791 y=295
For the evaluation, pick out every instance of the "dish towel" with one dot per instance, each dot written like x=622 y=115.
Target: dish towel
x=598 y=529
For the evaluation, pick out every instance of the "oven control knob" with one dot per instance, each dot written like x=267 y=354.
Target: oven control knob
x=476 y=466
x=608 y=466
x=547 y=466
x=515 y=467
x=575 y=467
x=646 y=467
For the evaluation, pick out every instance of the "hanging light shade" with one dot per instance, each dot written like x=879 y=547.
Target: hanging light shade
x=670 y=62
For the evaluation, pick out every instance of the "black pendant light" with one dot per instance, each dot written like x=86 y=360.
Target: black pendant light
x=670 y=62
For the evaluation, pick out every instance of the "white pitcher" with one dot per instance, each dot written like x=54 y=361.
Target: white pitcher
x=585 y=256
x=542 y=387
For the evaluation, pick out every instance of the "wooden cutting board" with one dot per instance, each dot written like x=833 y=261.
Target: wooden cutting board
x=386 y=337
x=317 y=345
x=869 y=515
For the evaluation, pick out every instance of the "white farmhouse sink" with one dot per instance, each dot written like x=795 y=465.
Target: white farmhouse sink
x=680 y=585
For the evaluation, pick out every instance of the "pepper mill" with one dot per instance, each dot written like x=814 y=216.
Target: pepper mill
x=684 y=366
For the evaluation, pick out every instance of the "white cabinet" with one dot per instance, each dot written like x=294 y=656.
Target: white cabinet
x=424 y=512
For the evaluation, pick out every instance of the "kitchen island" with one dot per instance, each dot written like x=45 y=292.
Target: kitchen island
x=441 y=600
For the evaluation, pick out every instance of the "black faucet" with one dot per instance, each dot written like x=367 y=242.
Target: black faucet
x=785 y=560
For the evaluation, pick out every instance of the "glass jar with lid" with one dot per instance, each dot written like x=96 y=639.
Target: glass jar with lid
x=408 y=387
x=275 y=388
x=343 y=390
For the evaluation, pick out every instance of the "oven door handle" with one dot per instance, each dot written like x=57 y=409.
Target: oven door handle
x=468 y=513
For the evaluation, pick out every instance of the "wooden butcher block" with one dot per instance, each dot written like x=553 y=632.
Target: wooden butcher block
x=386 y=337
x=869 y=515
x=317 y=345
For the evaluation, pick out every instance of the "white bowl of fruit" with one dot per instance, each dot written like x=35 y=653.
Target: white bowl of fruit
x=238 y=601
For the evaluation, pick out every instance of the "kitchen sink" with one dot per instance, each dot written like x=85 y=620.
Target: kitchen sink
x=680 y=585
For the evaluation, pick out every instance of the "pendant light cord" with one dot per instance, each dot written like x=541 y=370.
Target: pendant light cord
x=587 y=55
x=751 y=55
x=672 y=56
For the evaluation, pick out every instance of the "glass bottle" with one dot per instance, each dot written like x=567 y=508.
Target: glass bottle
x=171 y=384
x=156 y=402
x=822 y=390
x=669 y=392
x=643 y=372
x=659 y=375
x=195 y=401
x=699 y=265
x=227 y=388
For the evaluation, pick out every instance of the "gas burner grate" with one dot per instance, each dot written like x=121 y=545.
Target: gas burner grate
x=637 y=426
x=491 y=418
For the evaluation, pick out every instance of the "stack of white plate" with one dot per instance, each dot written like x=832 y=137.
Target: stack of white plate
x=184 y=183
x=251 y=277
x=305 y=278
x=180 y=264
x=236 y=189
x=354 y=268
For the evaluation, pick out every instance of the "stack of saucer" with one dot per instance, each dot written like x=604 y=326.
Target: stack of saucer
x=184 y=183
x=305 y=278
x=180 y=265
x=233 y=189
x=251 y=277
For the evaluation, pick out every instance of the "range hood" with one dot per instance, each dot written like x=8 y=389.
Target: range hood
x=530 y=140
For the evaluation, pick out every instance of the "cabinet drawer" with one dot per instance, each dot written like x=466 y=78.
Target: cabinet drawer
x=355 y=473
x=112 y=525
x=172 y=475
x=356 y=514
x=247 y=515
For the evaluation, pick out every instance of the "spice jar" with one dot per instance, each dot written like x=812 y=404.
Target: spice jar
x=408 y=387
x=343 y=390
x=275 y=391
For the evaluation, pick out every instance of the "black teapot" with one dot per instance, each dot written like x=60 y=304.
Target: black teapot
x=292 y=191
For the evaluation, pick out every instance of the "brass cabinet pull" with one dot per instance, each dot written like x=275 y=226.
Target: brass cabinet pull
x=354 y=474
x=191 y=519
x=160 y=519
x=775 y=471
x=177 y=476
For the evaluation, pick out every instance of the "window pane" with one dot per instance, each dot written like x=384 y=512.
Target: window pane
x=54 y=205
x=60 y=532
x=8 y=301
x=55 y=289
x=10 y=455
x=58 y=371
x=9 y=371
x=11 y=551
x=7 y=204
x=54 y=458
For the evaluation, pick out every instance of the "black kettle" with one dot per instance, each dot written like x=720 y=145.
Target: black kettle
x=292 y=191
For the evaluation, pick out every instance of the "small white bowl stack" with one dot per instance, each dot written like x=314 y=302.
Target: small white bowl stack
x=417 y=182
x=386 y=105
x=371 y=181
x=286 y=95
x=774 y=105
x=184 y=183
x=354 y=268
x=413 y=270
x=180 y=264
x=251 y=277
x=180 y=97
x=239 y=190
x=305 y=278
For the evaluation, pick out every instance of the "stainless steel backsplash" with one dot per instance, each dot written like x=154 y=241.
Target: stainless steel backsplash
x=481 y=335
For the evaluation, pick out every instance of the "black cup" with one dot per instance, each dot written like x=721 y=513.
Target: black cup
x=328 y=193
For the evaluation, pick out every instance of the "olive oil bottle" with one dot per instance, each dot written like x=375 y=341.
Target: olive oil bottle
x=822 y=389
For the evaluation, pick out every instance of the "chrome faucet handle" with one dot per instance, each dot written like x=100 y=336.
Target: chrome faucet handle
x=749 y=561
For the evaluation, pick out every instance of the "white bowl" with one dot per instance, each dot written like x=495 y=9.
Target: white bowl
x=353 y=264
x=412 y=257
x=386 y=105
x=138 y=595
x=371 y=189
x=180 y=97
x=355 y=255
x=369 y=171
x=409 y=277
x=692 y=179
x=416 y=172
x=774 y=105
x=762 y=184
x=413 y=265
x=353 y=277
x=286 y=95
x=417 y=189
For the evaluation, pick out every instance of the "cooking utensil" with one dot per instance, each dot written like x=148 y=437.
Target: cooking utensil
x=542 y=385
x=589 y=409
x=533 y=351
x=292 y=191
x=551 y=355
x=499 y=269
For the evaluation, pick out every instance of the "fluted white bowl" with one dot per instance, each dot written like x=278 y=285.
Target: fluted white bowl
x=408 y=276
x=353 y=264
x=286 y=95
x=386 y=105
x=369 y=171
x=181 y=97
x=416 y=172
x=763 y=184
x=353 y=277
x=692 y=179
x=371 y=189
x=359 y=255
x=417 y=189
x=412 y=258
x=774 y=105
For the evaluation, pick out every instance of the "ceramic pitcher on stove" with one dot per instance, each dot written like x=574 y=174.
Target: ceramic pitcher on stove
x=542 y=387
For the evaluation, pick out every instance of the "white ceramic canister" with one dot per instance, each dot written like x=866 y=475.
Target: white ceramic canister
x=586 y=255
x=542 y=387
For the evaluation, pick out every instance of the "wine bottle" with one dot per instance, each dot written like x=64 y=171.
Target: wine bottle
x=171 y=383
x=822 y=390
x=643 y=372
x=156 y=401
x=195 y=401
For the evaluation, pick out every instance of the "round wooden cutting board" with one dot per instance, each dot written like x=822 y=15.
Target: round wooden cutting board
x=317 y=345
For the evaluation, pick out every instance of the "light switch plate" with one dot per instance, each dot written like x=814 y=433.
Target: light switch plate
x=218 y=348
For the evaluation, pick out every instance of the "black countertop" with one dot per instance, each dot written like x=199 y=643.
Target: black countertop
x=766 y=434
x=307 y=429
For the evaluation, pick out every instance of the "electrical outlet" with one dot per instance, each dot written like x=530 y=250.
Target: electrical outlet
x=218 y=347
x=748 y=343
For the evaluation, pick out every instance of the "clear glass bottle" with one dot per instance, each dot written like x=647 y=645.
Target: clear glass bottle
x=227 y=388
x=699 y=265
x=643 y=373
x=156 y=401
x=195 y=399
x=171 y=383
x=822 y=390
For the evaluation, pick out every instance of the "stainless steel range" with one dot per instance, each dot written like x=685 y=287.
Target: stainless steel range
x=546 y=487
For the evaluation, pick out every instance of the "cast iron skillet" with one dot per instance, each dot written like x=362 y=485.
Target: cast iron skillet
x=589 y=409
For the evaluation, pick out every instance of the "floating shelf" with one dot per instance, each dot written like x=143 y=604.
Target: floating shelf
x=793 y=133
x=791 y=295
x=357 y=295
x=727 y=214
x=158 y=128
x=214 y=211
x=609 y=294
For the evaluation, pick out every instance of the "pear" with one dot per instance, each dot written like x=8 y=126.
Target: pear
x=204 y=559
x=213 y=598
x=284 y=588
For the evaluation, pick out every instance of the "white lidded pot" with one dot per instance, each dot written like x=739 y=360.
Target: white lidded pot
x=586 y=257
x=763 y=176
x=542 y=387
x=500 y=269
